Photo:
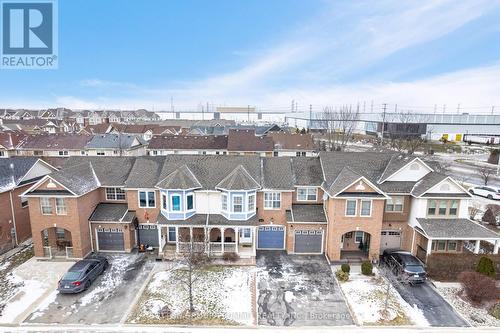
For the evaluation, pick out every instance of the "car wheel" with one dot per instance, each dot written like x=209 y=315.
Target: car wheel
x=471 y=191
x=87 y=285
x=490 y=196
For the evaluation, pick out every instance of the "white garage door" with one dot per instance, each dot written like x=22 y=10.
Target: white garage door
x=390 y=240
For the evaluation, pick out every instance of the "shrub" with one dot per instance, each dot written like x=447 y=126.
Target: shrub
x=367 y=268
x=486 y=267
x=345 y=268
x=479 y=287
x=342 y=276
x=495 y=311
x=489 y=217
x=230 y=256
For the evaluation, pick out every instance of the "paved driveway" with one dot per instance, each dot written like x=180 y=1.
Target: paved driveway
x=435 y=309
x=298 y=291
x=105 y=302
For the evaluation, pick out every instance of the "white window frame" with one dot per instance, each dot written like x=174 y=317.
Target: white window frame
x=242 y=204
x=269 y=203
x=147 y=198
x=251 y=202
x=112 y=194
x=223 y=202
x=61 y=209
x=355 y=207
x=394 y=202
x=172 y=205
x=164 y=201
x=362 y=237
x=361 y=208
x=46 y=204
x=307 y=193
x=192 y=196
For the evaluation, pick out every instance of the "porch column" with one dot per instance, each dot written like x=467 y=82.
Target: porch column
x=429 y=247
x=177 y=239
x=496 y=246
x=254 y=236
x=236 y=237
x=222 y=239
x=207 y=240
x=159 y=238
x=191 y=238
x=477 y=246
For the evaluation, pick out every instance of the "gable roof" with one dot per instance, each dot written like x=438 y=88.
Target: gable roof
x=238 y=179
x=12 y=171
x=180 y=179
x=398 y=162
x=111 y=171
x=11 y=139
x=115 y=141
x=78 y=179
x=56 y=142
x=289 y=141
x=427 y=182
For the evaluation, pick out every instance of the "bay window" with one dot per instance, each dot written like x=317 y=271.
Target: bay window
x=190 y=202
x=224 y=201
x=175 y=202
x=238 y=204
x=251 y=202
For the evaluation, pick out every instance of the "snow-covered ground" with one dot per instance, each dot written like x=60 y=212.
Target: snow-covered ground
x=366 y=296
x=222 y=295
x=474 y=315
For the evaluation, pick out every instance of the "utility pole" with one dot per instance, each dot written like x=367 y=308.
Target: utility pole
x=384 y=106
x=310 y=116
x=248 y=112
x=395 y=108
x=458 y=108
x=444 y=108
x=371 y=108
x=435 y=108
x=364 y=106
x=492 y=109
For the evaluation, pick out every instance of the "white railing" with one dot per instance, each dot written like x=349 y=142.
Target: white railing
x=215 y=247
x=47 y=252
x=229 y=247
x=69 y=252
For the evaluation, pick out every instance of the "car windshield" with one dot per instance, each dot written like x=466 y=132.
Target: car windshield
x=71 y=276
x=414 y=268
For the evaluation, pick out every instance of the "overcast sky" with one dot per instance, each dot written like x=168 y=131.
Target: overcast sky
x=144 y=54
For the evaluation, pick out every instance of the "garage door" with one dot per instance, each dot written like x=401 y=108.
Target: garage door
x=271 y=238
x=110 y=239
x=148 y=235
x=390 y=240
x=308 y=241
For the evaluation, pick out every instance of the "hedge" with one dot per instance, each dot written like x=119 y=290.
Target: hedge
x=447 y=266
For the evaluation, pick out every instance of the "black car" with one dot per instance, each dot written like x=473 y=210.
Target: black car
x=405 y=265
x=81 y=275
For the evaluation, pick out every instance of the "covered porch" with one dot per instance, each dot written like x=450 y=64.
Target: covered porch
x=452 y=236
x=57 y=243
x=355 y=246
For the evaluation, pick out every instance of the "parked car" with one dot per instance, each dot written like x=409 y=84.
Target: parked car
x=405 y=265
x=489 y=192
x=81 y=275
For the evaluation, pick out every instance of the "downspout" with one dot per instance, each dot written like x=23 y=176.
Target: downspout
x=13 y=217
x=91 y=237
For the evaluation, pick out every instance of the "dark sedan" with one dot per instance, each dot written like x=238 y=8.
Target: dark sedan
x=81 y=275
x=406 y=266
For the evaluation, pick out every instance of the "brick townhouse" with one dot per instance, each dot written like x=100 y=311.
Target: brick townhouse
x=343 y=205
x=17 y=174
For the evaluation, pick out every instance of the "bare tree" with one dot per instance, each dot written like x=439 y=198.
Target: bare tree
x=339 y=125
x=390 y=278
x=405 y=135
x=193 y=261
x=474 y=209
x=485 y=173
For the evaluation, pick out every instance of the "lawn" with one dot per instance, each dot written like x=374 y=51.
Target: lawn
x=222 y=296
x=366 y=297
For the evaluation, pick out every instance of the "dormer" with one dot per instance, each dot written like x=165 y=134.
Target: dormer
x=404 y=169
x=177 y=194
x=238 y=194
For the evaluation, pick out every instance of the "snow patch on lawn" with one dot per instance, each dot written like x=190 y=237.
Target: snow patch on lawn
x=45 y=305
x=28 y=293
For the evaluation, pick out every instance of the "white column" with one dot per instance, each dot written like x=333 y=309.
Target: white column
x=477 y=245
x=191 y=237
x=159 y=239
x=254 y=237
x=497 y=245
x=236 y=237
x=177 y=239
x=222 y=239
x=207 y=240
x=429 y=247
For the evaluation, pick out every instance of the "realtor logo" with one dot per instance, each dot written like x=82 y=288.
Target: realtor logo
x=29 y=34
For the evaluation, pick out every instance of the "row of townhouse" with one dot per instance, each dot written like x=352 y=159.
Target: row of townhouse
x=39 y=125
x=237 y=141
x=343 y=205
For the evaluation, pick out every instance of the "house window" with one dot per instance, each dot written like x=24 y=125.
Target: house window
x=441 y=245
x=237 y=203
x=115 y=193
x=366 y=208
x=297 y=153
x=306 y=194
x=272 y=200
x=164 y=201
x=46 y=206
x=452 y=245
x=171 y=234
x=24 y=202
x=251 y=202
x=63 y=153
x=442 y=207
x=350 y=209
x=146 y=199
x=275 y=153
x=358 y=236
x=431 y=209
x=60 y=234
x=245 y=233
x=61 y=206
x=176 y=202
x=224 y=202
x=100 y=153
x=395 y=204
x=303 y=153
x=190 y=202
x=453 y=207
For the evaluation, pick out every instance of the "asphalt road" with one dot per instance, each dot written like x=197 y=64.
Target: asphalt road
x=435 y=309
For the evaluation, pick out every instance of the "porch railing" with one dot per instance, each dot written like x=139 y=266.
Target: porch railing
x=47 y=252
x=69 y=252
